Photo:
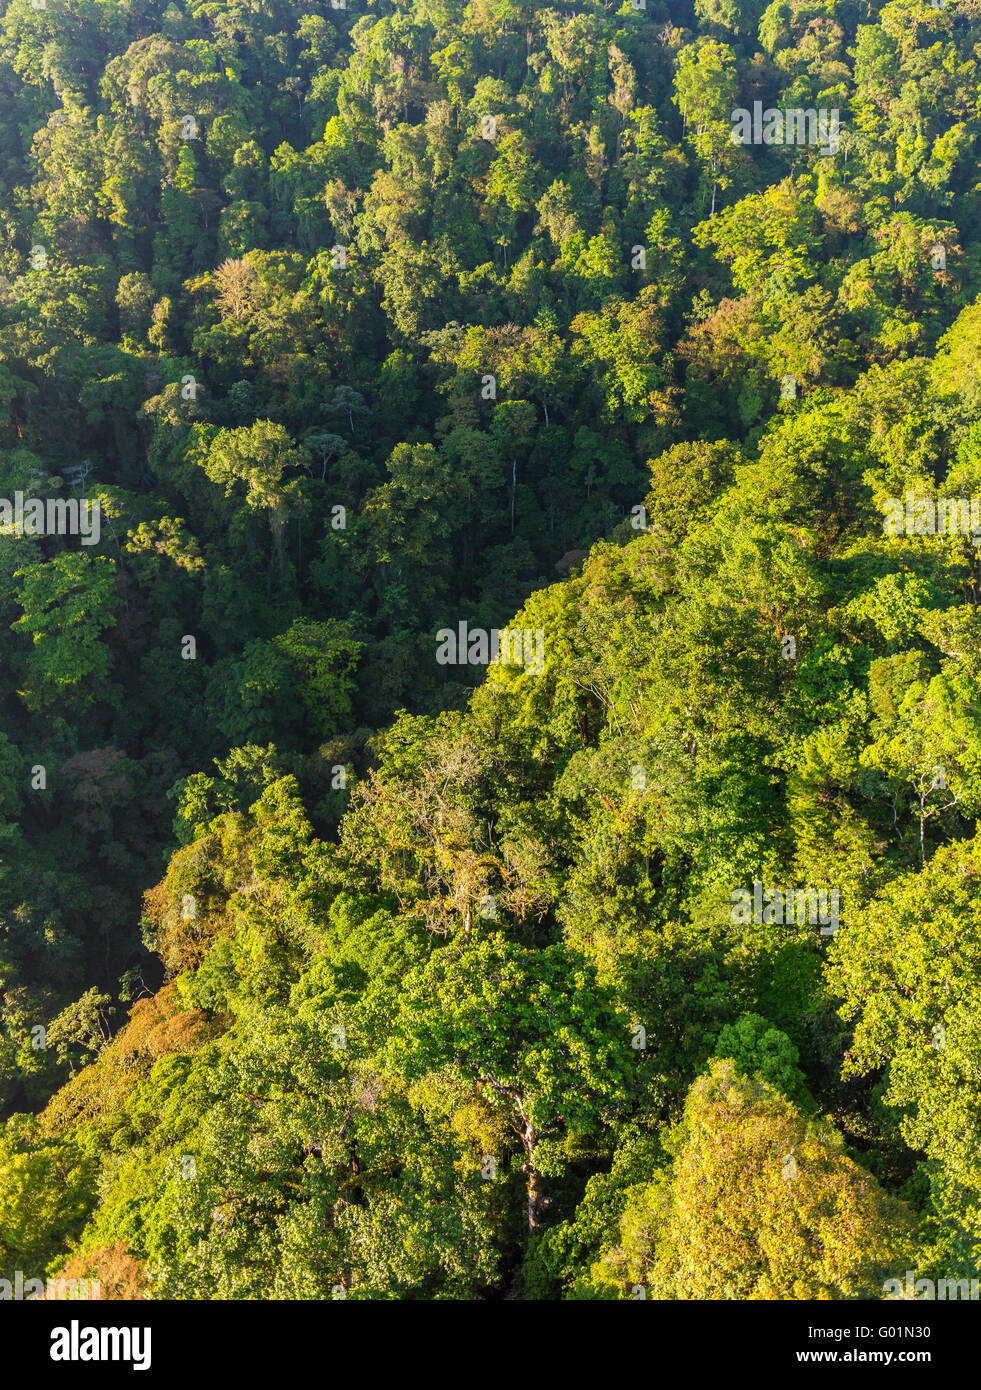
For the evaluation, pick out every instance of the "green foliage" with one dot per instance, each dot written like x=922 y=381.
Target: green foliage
x=757 y=1203
x=362 y=327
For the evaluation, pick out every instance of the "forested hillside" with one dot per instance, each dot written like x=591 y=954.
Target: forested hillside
x=332 y=965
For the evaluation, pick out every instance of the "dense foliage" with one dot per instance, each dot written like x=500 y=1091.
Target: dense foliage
x=330 y=970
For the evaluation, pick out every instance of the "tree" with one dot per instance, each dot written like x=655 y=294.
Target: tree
x=259 y=456
x=344 y=400
x=236 y=282
x=322 y=657
x=705 y=94
x=68 y=602
x=528 y=1032
x=906 y=975
x=758 y=1203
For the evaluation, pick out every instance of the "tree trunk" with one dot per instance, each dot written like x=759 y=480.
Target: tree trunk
x=277 y=523
x=535 y=1199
